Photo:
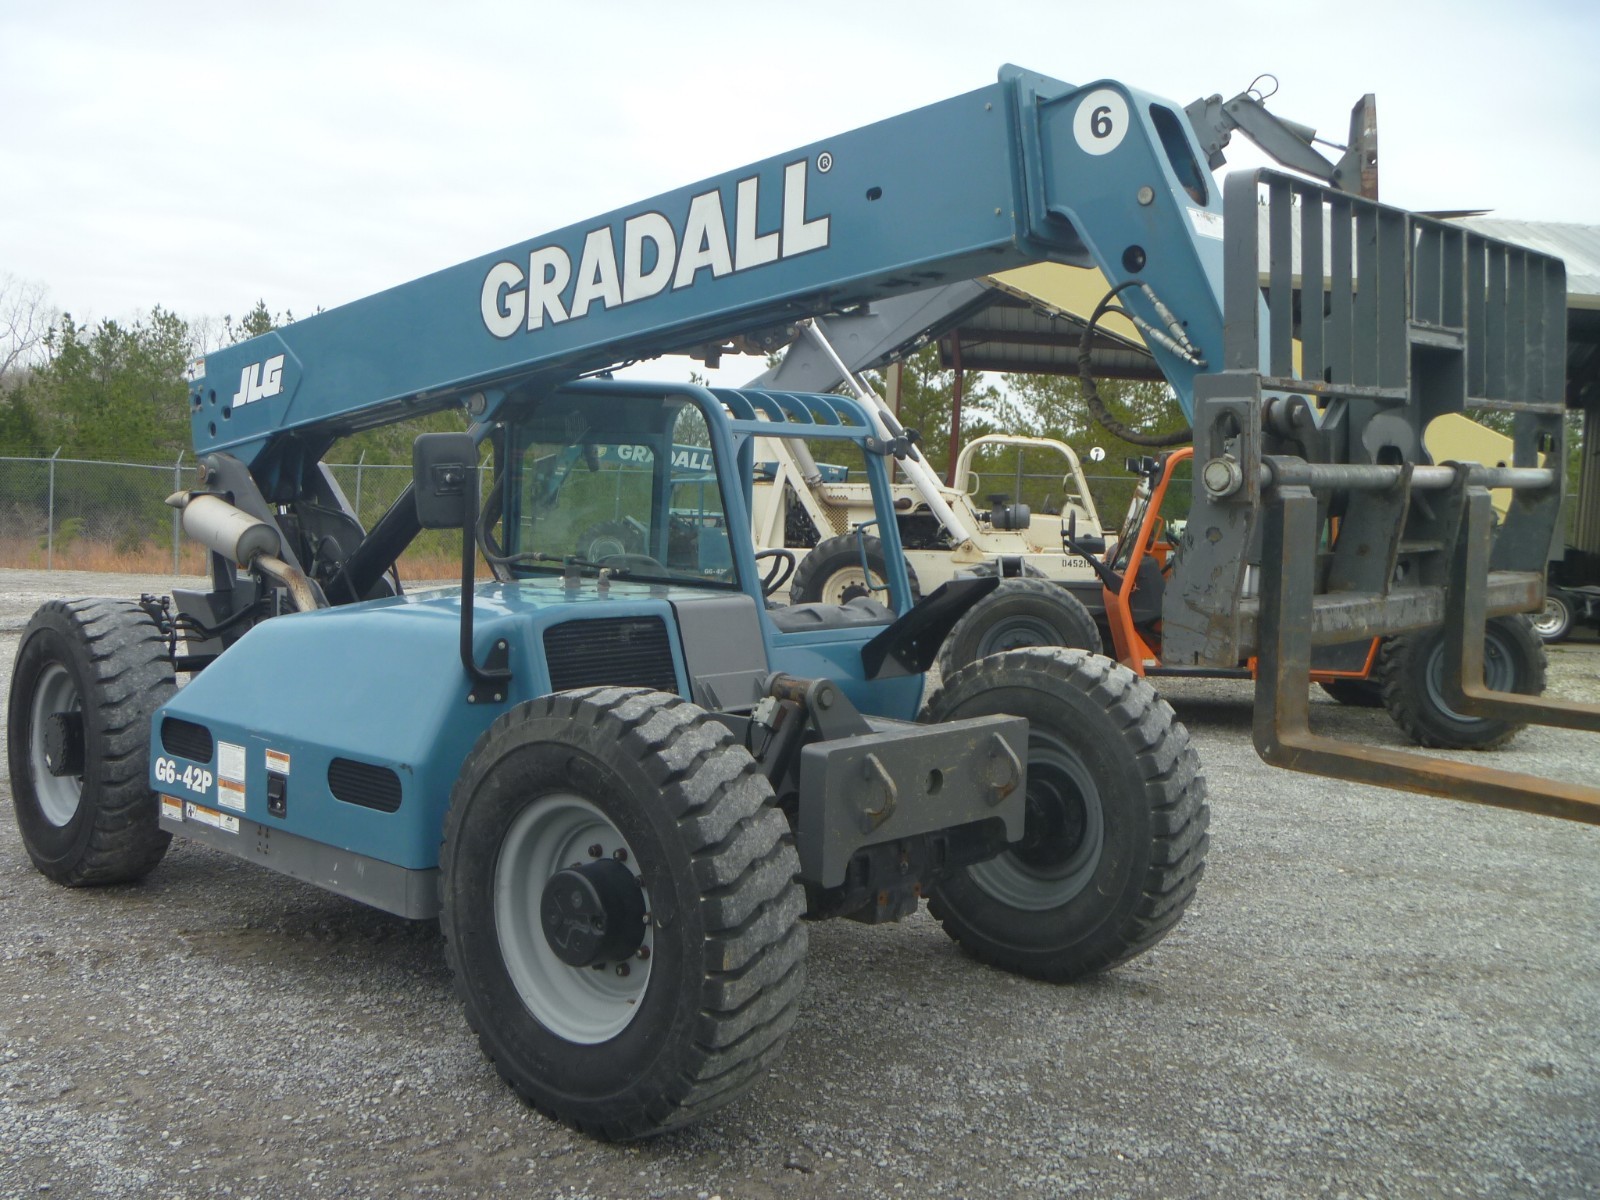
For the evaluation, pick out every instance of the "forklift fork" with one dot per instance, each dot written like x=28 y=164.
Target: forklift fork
x=1350 y=326
x=1281 y=721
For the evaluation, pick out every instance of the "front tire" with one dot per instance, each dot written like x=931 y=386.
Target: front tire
x=1411 y=669
x=831 y=574
x=659 y=1032
x=1115 y=839
x=1020 y=612
x=88 y=676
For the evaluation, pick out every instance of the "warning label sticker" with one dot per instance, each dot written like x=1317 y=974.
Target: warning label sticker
x=230 y=762
x=211 y=817
x=230 y=794
x=172 y=808
x=1206 y=224
x=277 y=762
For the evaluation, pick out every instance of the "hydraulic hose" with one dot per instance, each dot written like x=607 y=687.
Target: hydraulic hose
x=1091 y=392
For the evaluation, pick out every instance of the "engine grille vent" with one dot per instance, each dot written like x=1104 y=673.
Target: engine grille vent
x=626 y=651
x=364 y=784
x=185 y=739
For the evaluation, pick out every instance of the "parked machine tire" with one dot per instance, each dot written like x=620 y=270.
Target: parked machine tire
x=831 y=573
x=1354 y=693
x=1019 y=612
x=610 y=539
x=1116 y=818
x=620 y=909
x=88 y=676
x=1554 y=622
x=1410 y=668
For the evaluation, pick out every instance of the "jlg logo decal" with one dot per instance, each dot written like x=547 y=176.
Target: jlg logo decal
x=260 y=381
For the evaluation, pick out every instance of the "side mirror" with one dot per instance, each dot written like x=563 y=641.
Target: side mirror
x=1088 y=545
x=444 y=487
x=444 y=479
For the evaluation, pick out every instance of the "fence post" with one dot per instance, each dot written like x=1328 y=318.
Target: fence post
x=177 y=525
x=359 y=461
x=50 y=517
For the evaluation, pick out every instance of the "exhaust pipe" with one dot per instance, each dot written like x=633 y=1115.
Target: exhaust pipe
x=242 y=539
x=229 y=531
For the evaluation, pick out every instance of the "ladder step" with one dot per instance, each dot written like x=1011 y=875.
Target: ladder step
x=1441 y=337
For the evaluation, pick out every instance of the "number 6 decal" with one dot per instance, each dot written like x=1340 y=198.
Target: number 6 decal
x=1101 y=121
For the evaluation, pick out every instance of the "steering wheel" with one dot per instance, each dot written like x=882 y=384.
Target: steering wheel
x=779 y=573
x=630 y=562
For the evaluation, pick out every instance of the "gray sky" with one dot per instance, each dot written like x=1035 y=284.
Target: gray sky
x=200 y=156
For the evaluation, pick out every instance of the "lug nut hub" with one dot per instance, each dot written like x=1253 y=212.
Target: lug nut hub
x=593 y=913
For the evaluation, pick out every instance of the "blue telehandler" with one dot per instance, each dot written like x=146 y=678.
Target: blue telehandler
x=619 y=777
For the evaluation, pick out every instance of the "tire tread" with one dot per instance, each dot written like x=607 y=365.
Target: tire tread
x=1402 y=669
x=835 y=554
x=962 y=642
x=1174 y=789
x=744 y=864
x=132 y=675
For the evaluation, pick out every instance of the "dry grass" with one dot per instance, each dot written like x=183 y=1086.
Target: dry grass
x=82 y=554
x=414 y=567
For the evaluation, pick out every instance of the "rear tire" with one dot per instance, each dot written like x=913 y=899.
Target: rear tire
x=1554 y=623
x=680 y=1024
x=1115 y=838
x=831 y=574
x=98 y=670
x=1019 y=613
x=1354 y=693
x=1410 y=667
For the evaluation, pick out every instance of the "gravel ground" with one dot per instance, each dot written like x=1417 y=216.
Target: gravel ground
x=1374 y=995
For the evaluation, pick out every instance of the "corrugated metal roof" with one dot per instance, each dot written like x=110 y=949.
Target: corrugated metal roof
x=1577 y=245
x=1031 y=335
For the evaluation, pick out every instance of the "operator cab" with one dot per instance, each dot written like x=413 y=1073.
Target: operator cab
x=629 y=487
x=638 y=493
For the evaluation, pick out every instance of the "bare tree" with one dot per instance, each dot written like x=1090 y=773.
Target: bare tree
x=25 y=320
x=209 y=333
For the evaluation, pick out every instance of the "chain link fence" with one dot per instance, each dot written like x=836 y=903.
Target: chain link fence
x=372 y=489
x=73 y=514
x=64 y=513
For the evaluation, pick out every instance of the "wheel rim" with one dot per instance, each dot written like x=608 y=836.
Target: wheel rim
x=581 y=1004
x=1499 y=675
x=59 y=795
x=1552 y=620
x=845 y=585
x=1016 y=633
x=1065 y=833
x=606 y=545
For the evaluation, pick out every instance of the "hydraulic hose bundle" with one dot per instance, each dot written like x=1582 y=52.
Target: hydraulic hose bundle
x=1091 y=391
